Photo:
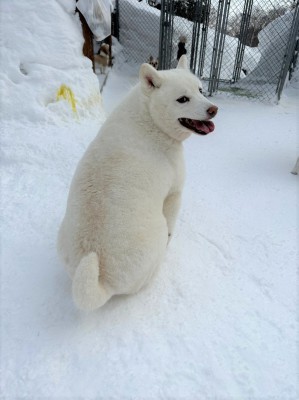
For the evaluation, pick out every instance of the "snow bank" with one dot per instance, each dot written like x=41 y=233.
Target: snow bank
x=273 y=40
x=41 y=49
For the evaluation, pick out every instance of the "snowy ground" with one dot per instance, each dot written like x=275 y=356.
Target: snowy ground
x=219 y=321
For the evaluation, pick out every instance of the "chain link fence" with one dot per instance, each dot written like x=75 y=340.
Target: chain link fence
x=139 y=30
x=241 y=47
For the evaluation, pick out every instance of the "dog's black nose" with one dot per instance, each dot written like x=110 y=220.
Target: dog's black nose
x=212 y=111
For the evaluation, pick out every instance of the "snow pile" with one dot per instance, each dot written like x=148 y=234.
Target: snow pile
x=273 y=40
x=41 y=49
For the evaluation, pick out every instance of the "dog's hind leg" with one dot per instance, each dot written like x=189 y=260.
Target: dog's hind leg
x=89 y=292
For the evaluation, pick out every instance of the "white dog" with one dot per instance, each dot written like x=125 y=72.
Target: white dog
x=125 y=195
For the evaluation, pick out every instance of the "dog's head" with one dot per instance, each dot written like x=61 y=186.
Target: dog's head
x=175 y=101
x=104 y=49
x=154 y=62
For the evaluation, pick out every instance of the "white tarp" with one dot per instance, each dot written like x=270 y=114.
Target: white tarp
x=98 y=16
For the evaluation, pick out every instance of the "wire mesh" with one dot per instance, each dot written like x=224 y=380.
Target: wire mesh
x=241 y=47
x=139 y=28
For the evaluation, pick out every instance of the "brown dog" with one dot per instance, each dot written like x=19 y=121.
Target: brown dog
x=103 y=57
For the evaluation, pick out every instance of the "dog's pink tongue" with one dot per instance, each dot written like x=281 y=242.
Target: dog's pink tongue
x=205 y=126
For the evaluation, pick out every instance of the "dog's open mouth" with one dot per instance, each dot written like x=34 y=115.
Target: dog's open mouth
x=200 y=127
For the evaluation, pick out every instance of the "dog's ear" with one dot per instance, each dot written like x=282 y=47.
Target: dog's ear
x=150 y=78
x=183 y=62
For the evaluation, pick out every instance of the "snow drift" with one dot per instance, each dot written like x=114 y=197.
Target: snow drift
x=41 y=49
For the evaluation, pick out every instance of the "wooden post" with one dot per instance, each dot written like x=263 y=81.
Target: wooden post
x=88 y=39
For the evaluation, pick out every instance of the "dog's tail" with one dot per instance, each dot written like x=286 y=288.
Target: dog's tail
x=88 y=292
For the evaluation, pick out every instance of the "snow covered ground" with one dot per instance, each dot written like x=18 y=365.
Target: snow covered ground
x=220 y=319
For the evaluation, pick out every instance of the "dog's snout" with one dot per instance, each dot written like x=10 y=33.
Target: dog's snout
x=212 y=111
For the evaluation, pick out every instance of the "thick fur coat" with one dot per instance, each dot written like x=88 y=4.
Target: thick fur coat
x=126 y=191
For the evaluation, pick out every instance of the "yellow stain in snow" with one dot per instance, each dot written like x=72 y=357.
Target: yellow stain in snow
x=66 y=93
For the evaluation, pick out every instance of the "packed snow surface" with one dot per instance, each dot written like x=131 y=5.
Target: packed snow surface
x=219 y=321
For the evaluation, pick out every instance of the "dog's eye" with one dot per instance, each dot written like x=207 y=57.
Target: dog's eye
x=200 y=90
x=183 y=99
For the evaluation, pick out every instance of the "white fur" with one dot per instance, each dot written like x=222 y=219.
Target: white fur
x=126 y=192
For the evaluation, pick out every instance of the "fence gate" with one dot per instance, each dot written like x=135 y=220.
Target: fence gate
x=244 y=47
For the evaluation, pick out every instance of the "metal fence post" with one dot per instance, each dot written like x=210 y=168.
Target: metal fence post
x=242 y=39
x=166 y=33
x=204 y=37
x=195 y=34
x=289 y=53
x=220 y=33
x=115 y=20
